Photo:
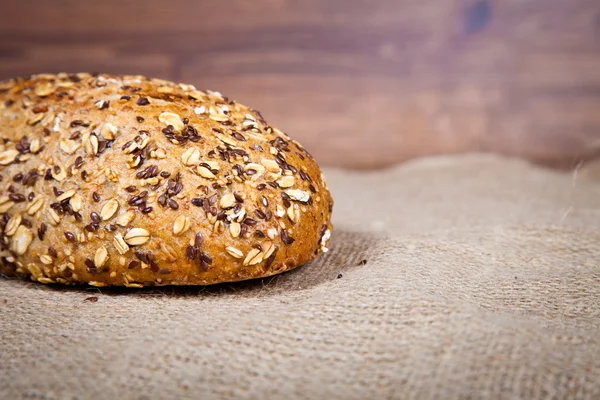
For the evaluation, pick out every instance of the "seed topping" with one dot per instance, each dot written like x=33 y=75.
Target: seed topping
x=253 y=257
x=12 y=225
x=172 y=119
x=233 y=251
x=100 y=257
x=21 y=240
x=120 y=244
x=136 y=236
x=109 y=209
x=181 y=225
x=125 y=218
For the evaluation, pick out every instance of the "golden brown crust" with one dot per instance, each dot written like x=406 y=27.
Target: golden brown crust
x=125 y=180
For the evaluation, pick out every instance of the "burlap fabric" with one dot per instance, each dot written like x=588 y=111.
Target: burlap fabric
x=482 y=280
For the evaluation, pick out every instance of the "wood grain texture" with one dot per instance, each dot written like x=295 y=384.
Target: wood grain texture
x=359 y=83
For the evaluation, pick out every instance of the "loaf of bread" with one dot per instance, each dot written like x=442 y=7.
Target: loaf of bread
x=126 y=180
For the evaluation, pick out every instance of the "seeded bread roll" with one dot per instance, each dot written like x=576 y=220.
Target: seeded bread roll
x=126 y=180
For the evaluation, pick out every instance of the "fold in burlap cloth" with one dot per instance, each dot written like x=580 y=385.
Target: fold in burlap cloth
x=482 y=279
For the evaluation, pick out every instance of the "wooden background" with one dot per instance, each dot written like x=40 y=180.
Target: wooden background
x=361 y=83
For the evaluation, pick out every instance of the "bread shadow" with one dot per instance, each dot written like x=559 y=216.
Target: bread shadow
x=347 y=251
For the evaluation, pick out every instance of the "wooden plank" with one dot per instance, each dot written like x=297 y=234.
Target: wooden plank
x=360 y=83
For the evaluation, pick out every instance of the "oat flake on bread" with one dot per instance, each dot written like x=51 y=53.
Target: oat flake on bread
x=132 y=181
